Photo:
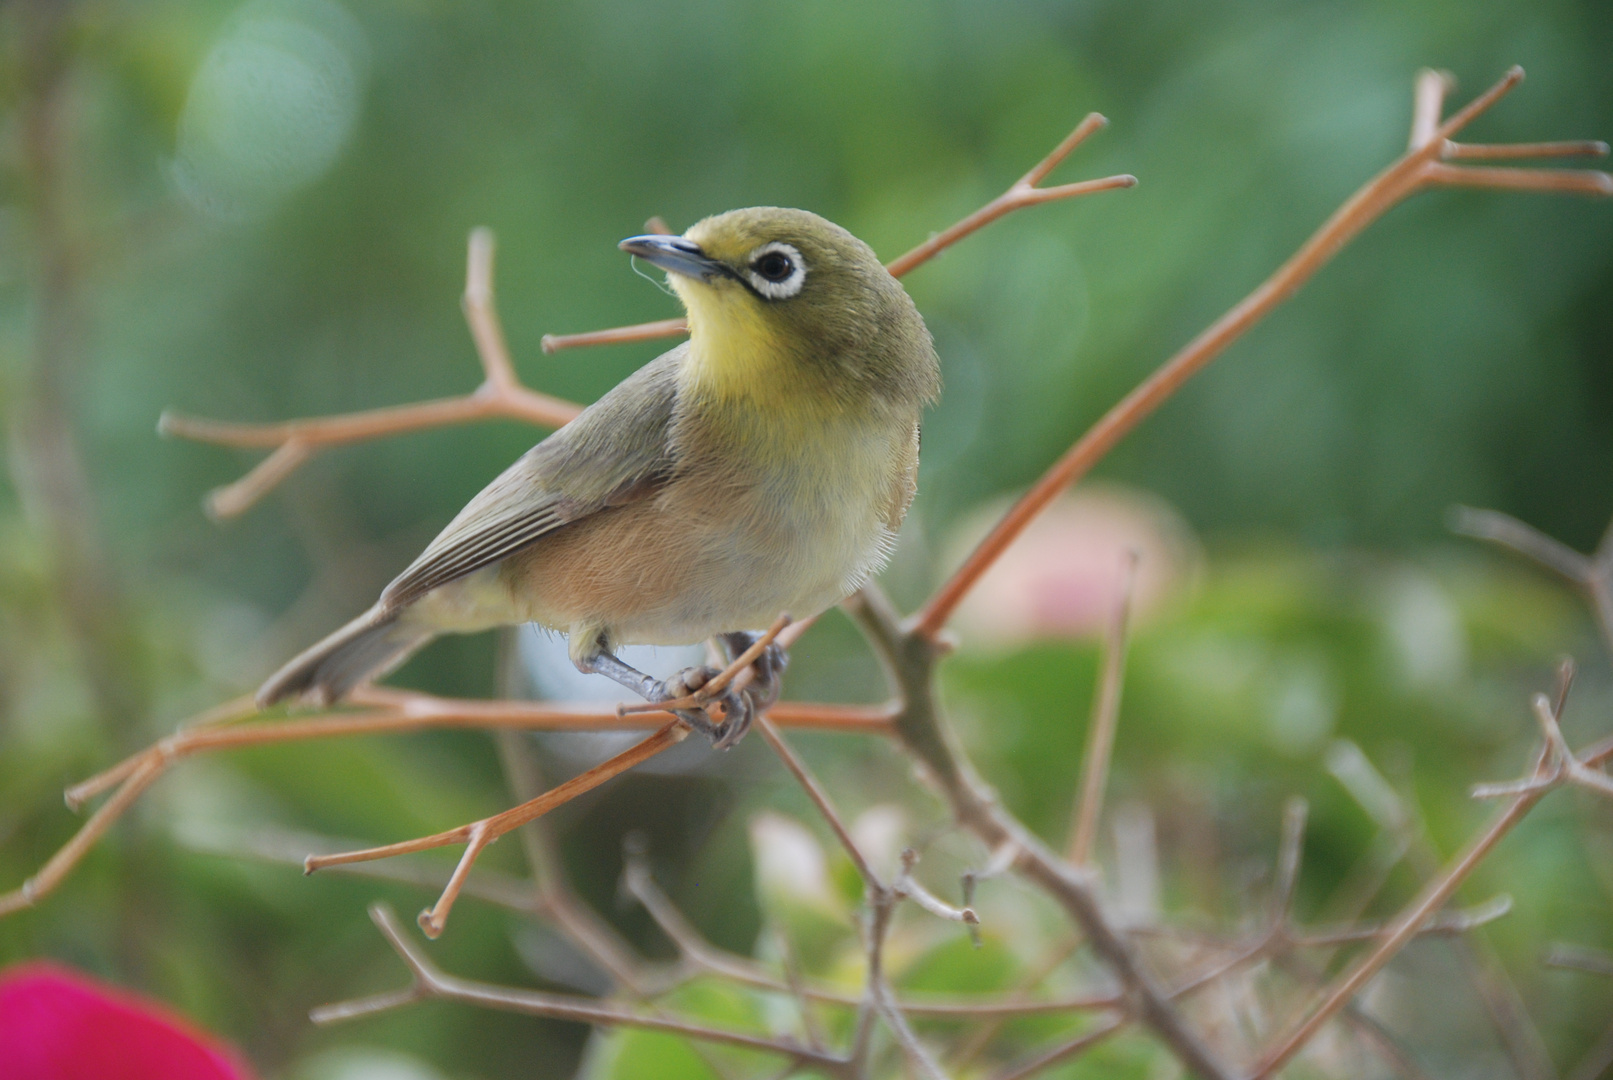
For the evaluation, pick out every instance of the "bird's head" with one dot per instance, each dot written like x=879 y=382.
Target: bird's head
x=772 y=292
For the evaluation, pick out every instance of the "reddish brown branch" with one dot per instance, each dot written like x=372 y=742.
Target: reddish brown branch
x=295 y=441
x=1415 y=170
x=382 y=712
x=1024 y=192
x=478 y=834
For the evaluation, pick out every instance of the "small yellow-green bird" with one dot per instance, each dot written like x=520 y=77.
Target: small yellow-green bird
x=762 y=466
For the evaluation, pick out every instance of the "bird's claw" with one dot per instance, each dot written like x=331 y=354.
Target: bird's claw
x=738 y=709
x=767 y=670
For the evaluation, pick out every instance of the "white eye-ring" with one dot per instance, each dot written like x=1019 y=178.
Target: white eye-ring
x=776 y=270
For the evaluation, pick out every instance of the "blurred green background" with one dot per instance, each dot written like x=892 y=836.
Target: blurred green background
x=259 y=211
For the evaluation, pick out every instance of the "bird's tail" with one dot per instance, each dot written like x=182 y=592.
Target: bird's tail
x=366 y=648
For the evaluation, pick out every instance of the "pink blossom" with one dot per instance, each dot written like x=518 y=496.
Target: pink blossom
x=1063 y=576
x=56 y=1024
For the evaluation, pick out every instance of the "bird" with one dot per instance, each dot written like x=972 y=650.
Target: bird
x=764 y=465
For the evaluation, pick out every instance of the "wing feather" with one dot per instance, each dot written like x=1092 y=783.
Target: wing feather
x=616 y=451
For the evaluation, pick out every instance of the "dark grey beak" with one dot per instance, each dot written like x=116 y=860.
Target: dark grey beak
x=676 y=254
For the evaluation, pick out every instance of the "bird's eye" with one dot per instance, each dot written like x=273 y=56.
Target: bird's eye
x=774 y=266
x=776 y=271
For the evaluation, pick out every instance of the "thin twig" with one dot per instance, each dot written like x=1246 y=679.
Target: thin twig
x=50 y=875
x=1022 y=193
x=1276 y=936
x=820 y=799
x=1579 y=958
x=906 y=888
x=1384 y=1041
x=713 y=688
x=551 y=895
x=982 y=1036
x=1063 y=1052
x=1432 y=897
x=883 y=903
x=1105 y=716
x=1564 y=766
x=1524 y=151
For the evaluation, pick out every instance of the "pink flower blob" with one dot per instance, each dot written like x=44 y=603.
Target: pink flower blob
x=56 y=1024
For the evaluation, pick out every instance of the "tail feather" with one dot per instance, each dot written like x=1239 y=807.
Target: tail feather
x=365 y=649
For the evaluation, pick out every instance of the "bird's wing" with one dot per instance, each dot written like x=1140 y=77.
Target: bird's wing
x=616 y=451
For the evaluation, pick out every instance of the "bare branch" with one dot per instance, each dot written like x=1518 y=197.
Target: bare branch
x=879 y=993
x=50 y=875
x=1432 y=897
x=909 y=656
x=1579 y=958
x=1417 y=169
x=1024 y=192
x=1524 y=151
x=977 y=1042
x=820 y=799
x=713 y=689
x=619 y=335
x=906 y=888
x=1428 y=104
x=1564 y=766
x=429 y=982
x=552 y=895
x=1445 y=923
x=1526 y=540
x=500 y=395
x=1105 y=716
x=478 y=834
x=1075 y=1047
x=389 y=712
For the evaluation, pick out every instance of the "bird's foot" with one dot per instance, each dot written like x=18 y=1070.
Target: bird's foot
x=738 y=708
x=767 y=670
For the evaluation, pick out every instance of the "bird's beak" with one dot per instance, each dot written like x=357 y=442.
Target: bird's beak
x=676 y=254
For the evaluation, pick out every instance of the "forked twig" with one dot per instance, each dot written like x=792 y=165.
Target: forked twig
x=478 y=834
x=1432 y=897
x=295 y=441
x=1591 y=574
x=382 y=711
x=1026 y=191
x=699 y=953
x=428 y=983
x=1579 y=958
x=1563 y=767
x=1418 y=168
x=882 y=901
x=909 y=659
